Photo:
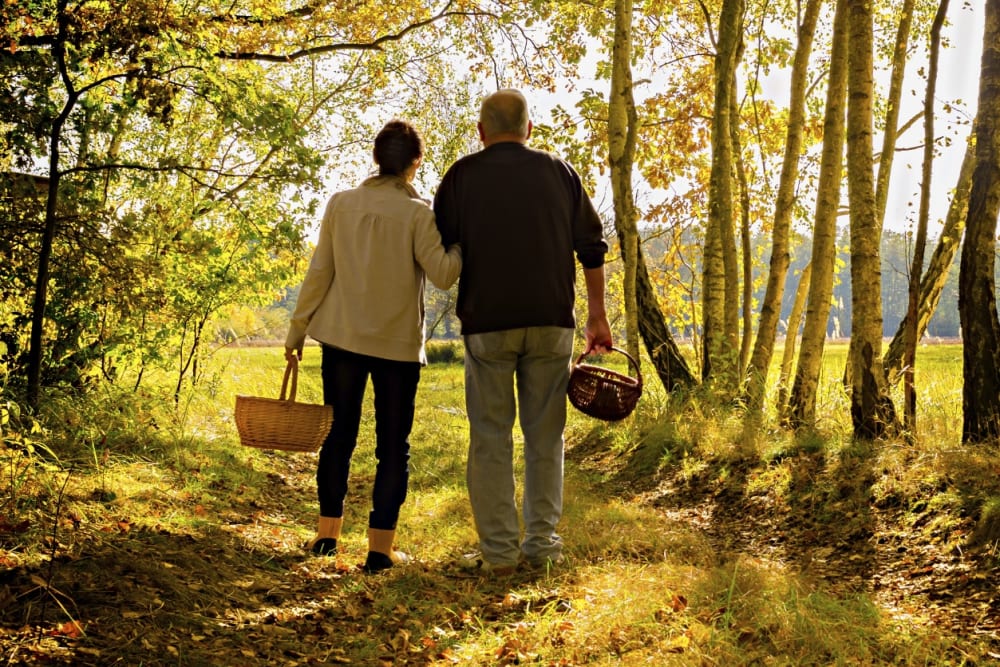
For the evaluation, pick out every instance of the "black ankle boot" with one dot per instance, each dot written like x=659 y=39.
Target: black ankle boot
x=376 y=562
x=325 y=546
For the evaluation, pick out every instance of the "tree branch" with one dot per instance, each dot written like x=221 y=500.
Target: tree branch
x=374 y=45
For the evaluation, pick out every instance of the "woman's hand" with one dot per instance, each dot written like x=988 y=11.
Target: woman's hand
x=293 y=356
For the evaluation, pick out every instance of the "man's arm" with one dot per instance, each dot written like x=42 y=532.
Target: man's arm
x=598 y=329
x=444 y=214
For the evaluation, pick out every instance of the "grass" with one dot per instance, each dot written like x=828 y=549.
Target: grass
x=134 y=532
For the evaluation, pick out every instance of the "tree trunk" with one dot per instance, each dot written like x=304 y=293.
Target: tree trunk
x=792 y=333
x=34 y=363
x=666 y=357
x=730 y=256
x=621 y=150
x=802 y=402
x=720 y=351
x=890 y=132
x=917 y=265
x=643 y=315
x=746 y=245
x=977 y=304
x=940 y=265
x=872 y=411
x=770 y=310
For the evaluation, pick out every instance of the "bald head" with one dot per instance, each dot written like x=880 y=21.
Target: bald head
x=503 y=116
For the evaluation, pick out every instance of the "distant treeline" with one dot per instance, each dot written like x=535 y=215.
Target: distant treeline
x=896 y=251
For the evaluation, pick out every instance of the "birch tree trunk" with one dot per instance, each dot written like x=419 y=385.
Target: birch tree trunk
x=939 y=266
x=52 y=203
x=746 y=246
x=621 y=150
x=770 y=310
x=977 y=305
x=730 y=255
x=720 y=351
x=670 y=365
x=802 y=401
x=919 y=243
x=643 y=315
x=890 y=133
x=792 y=334
x=872 y=411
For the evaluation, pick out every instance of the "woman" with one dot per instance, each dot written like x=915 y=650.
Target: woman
x=362 y=299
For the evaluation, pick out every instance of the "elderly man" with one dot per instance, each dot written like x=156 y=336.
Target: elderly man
x=520 y=215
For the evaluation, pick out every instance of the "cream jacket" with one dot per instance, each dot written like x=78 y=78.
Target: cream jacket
x=364 y=289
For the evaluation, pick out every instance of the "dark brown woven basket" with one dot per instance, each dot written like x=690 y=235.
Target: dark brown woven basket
x=269 y=423
x=604 y=393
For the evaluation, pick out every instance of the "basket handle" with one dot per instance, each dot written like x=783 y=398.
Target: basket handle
x=632 y=362
x=291 y=370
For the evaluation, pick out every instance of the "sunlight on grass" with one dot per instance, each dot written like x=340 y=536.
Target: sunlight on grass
x=646 y=582
x=634 y=613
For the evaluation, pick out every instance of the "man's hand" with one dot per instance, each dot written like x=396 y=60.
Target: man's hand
x=293 y=356
x=598 y=333
x=598 y=330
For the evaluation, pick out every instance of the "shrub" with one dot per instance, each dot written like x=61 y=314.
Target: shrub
x=445 y=351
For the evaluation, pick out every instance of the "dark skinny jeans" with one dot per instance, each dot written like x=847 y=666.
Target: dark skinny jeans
x=345 y=376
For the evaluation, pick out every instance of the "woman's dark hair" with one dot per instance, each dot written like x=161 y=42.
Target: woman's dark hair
x=397 y=145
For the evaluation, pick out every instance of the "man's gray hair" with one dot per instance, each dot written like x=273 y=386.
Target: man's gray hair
x=504 y=112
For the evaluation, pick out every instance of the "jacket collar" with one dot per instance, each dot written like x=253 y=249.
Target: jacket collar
x=398 y=181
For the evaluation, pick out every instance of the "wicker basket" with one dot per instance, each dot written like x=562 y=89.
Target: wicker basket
x=277 y=423
x=604 y=393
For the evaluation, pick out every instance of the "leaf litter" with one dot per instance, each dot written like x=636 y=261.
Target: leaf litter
x=241 y=590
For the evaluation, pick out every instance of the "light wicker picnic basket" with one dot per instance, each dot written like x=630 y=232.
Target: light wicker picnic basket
x=603 y=393
x=282 y=423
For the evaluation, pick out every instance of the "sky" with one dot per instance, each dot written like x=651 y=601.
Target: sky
x=958 y=79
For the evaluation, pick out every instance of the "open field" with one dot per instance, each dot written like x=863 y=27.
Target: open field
x=132 y=534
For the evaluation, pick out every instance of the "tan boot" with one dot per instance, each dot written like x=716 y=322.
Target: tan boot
x=381 y=554
x=327 y=533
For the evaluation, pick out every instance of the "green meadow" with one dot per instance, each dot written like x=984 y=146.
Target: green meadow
x=135 y=534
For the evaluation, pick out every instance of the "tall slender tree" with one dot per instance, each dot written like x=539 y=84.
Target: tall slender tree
x=719 y=293
x=872 y=411
x=770 y=310
x=977 y=304
x=938 y=268
x=920 y=240
x=893 y=102
x=746 y=242
x=890 y=131
x=794 y=323
x=621 y=156
x=801 y=409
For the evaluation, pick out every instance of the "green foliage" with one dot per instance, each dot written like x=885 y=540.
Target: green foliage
x=190 y=156
x=445 y=351
x=988 y=527
x=25 y=451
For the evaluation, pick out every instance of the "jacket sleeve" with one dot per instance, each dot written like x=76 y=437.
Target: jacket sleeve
x=588 y=232
x=444 y=209
x=316 y=284
x=441 y=266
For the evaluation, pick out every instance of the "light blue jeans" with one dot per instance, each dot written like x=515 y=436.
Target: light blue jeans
x=537 y=359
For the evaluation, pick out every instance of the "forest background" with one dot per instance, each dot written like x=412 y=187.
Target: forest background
x=162 y=170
